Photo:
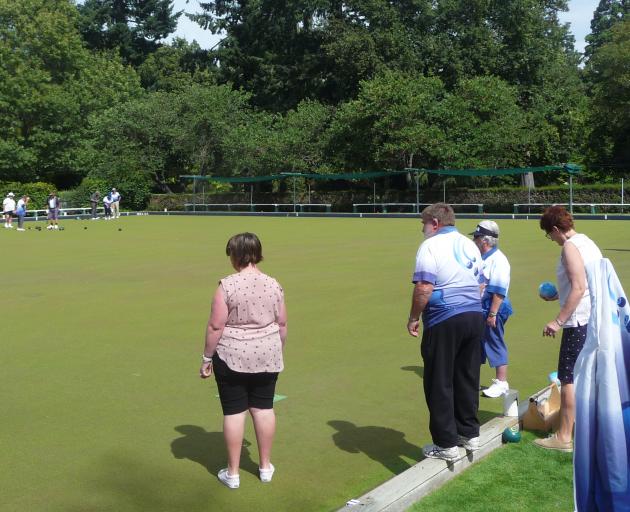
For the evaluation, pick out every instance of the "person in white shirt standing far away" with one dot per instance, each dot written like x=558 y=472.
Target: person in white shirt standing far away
x=22 y=205
x=115 y=203
x=8 y=209
x=496 y=306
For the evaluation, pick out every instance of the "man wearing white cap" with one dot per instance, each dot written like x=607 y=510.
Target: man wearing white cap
x=8 y=209
x=495 y=304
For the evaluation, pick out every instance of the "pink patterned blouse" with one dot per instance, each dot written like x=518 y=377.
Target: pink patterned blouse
x=250 y=342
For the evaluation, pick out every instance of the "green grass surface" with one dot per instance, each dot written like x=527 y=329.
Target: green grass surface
x=102 y=332
x=517 y=478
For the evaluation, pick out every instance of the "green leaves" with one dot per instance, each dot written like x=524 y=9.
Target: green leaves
x=610 y=105
x=49 y=85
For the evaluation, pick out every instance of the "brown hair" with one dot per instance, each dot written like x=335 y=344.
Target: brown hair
x=441 y=212
x=243 y=249
x=556 y=216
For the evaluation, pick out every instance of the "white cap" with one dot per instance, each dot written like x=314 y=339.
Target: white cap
x=486 y=228
x=10 y=194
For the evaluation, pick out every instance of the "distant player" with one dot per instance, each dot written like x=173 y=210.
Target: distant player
x=115 y=195
x=8 y=209
x=107 y=204
x=53 y=204
x=95 y=198
x=22 y=204
x=495 y=304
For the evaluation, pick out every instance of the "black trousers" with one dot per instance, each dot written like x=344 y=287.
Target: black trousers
x=451 y=351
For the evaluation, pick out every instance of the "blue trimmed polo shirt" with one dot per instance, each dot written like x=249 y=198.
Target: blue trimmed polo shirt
x=452 y=263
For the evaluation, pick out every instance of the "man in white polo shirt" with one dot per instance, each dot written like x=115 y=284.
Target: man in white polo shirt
x=446 y=293
x=495 y=303
x=8 y=209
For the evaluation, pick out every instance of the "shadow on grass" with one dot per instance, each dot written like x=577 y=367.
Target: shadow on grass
x=381 y=444
x=486 y=416
x=418 y=370
x=208 y=449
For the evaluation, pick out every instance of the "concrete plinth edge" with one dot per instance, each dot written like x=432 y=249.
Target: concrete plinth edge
x=402 y=491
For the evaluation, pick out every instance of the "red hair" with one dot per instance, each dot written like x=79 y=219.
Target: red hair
x=556 y=216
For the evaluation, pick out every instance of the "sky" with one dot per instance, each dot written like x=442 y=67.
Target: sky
x=579 y=16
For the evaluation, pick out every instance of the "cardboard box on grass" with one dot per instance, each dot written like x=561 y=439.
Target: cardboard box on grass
x=543 y=412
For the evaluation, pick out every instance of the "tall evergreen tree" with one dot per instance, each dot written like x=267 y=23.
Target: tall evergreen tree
x=609 y=144
x=607 y=14
x=134 y=27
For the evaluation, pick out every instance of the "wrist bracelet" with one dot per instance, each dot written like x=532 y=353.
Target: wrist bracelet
x=492 y=314
x=560 y=323
x=206 y=359
x=412 y=319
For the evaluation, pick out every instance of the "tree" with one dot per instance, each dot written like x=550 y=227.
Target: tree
x=162 y=135
x=49 y=85
x=402 y=121
x=610 y=103
x=484 y=125
x=132 y=27
x=177 y=66
x=301 y=135
x=607 y=14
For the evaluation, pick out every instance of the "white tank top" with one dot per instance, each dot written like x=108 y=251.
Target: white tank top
x=589 y=252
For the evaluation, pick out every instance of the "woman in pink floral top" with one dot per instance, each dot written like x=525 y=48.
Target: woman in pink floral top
x=245 y=337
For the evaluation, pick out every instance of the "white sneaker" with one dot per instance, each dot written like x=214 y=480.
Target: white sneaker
x=470 y=444
x=266 y=474
x=49 y=227
x=231 y=481
x=433 y=451
x=496 y=389
x=56 y=226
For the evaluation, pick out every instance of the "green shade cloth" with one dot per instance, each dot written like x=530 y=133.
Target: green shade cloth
x=368 y=175
x=235 y=179
x=570 y=168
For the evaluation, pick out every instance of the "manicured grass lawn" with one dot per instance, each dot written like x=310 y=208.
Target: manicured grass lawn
x=517 y=478
x=102 y=333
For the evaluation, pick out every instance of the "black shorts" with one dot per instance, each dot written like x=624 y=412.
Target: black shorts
x=573 y=339
x=240 y=391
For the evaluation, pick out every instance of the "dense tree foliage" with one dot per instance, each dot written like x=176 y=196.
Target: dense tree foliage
x=177 y=66
x=91 y=94
x=607 y=14
x=609 y=147
x=132 y=27
x=49 y=85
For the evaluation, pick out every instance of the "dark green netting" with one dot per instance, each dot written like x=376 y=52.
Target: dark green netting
x=352 y=175
x=570 y=168
x=235 y=179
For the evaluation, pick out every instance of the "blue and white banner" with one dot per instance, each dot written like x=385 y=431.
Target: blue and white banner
x=602 y=423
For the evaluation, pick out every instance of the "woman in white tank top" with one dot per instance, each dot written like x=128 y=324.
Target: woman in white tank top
x=575 y=308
